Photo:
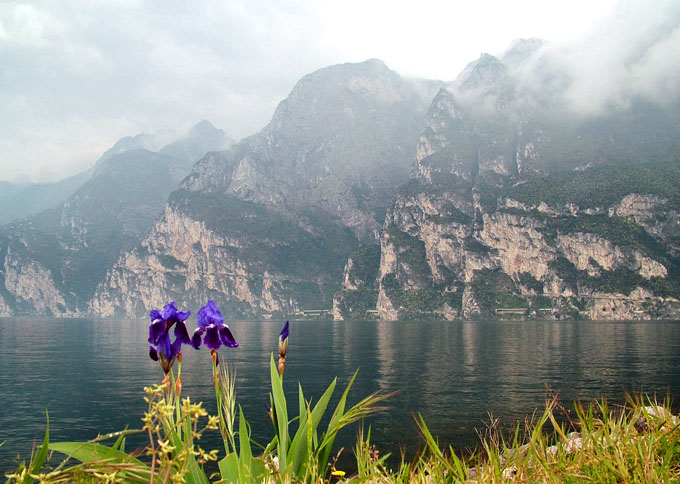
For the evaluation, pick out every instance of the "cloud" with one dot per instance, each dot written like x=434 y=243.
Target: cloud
x=76 y=76
x=630 y=54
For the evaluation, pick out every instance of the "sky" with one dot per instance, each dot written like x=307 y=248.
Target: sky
x=76 y=76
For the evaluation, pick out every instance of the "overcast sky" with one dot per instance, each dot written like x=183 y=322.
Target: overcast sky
x=75 y=76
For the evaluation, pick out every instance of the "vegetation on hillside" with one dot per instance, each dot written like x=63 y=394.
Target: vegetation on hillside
x=363 y=273
x=601 y=185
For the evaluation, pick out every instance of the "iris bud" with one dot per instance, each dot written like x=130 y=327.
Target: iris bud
x=283 y=347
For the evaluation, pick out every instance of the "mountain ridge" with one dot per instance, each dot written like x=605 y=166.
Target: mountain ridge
x=52 y=261
x=372 y=195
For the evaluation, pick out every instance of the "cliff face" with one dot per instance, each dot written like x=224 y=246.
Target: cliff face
x=184 y=260
x=509 y=215
x=267 y=226
x=379 y=197
x=51 y=263
x=341 y=142
x=31 y=286
x=466 y=262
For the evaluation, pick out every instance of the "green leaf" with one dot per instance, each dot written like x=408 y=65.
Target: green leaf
x=244 y=445
x=281 y=414
x=88 y=453
x=320 y=407
x=229 y=468
x=244 y=468
x=119 y=444
x=257 y=470
x=334 y=425
x=302 y=404
x=308 y=426
x=39 y=460
x=296 y=453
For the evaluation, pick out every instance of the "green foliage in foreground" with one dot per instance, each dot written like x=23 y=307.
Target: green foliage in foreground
x=175 y=426
x=635 y=443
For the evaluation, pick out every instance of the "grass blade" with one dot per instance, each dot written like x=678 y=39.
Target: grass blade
x=281 y=412
x=39 y=460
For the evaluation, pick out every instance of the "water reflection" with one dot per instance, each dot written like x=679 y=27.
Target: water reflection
x=90 y=374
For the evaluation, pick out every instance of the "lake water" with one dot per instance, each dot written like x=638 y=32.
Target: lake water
x=90 y=374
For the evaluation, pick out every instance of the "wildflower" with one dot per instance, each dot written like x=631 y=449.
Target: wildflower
x=283 y=347
x=338 y=473
x=161 y=323
x=283 y=340
x=211 y=323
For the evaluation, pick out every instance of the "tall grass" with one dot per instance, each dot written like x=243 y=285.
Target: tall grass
x=635 y=443
x=638 y=442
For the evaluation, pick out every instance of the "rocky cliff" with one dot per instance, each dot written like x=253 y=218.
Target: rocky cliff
x=51 y=263
x=515 y=211
x=267 y=226
x=370 y=195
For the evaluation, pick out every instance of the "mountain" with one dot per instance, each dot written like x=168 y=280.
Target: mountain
x=267 y=226
x=371 y=195
x=23 y=200
x=519 y=208
x=202 y=138
x=53 y=261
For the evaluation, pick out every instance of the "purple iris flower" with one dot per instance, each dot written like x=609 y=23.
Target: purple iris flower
x=284 y=332
x=211 y=323
x=283 y=347
x=283 y=340
x=159 y=334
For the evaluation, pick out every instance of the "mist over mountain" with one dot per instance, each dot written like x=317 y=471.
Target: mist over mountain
x=341 y=142
x=200 y=139
x=494 y=195
x=54 y=260
x=629 y=57
x=22 y=200
x=268 y=225
x=520 y=206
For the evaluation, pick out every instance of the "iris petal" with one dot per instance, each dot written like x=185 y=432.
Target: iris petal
x=156 y=329
x=169 y=311
x=181 y=333
x=161 y=322
x=175 y=348
x=227 y=338
x=209 y=314
x=284 y=331
x=163 y=345
x=196 y=338
x=212 y=338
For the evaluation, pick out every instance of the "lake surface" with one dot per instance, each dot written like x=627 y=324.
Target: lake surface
x=89 y=374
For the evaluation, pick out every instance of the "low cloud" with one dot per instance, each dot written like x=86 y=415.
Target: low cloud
x=630 y=54
x=77 y=76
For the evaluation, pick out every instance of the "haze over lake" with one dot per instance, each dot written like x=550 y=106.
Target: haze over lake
x=89 y=374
